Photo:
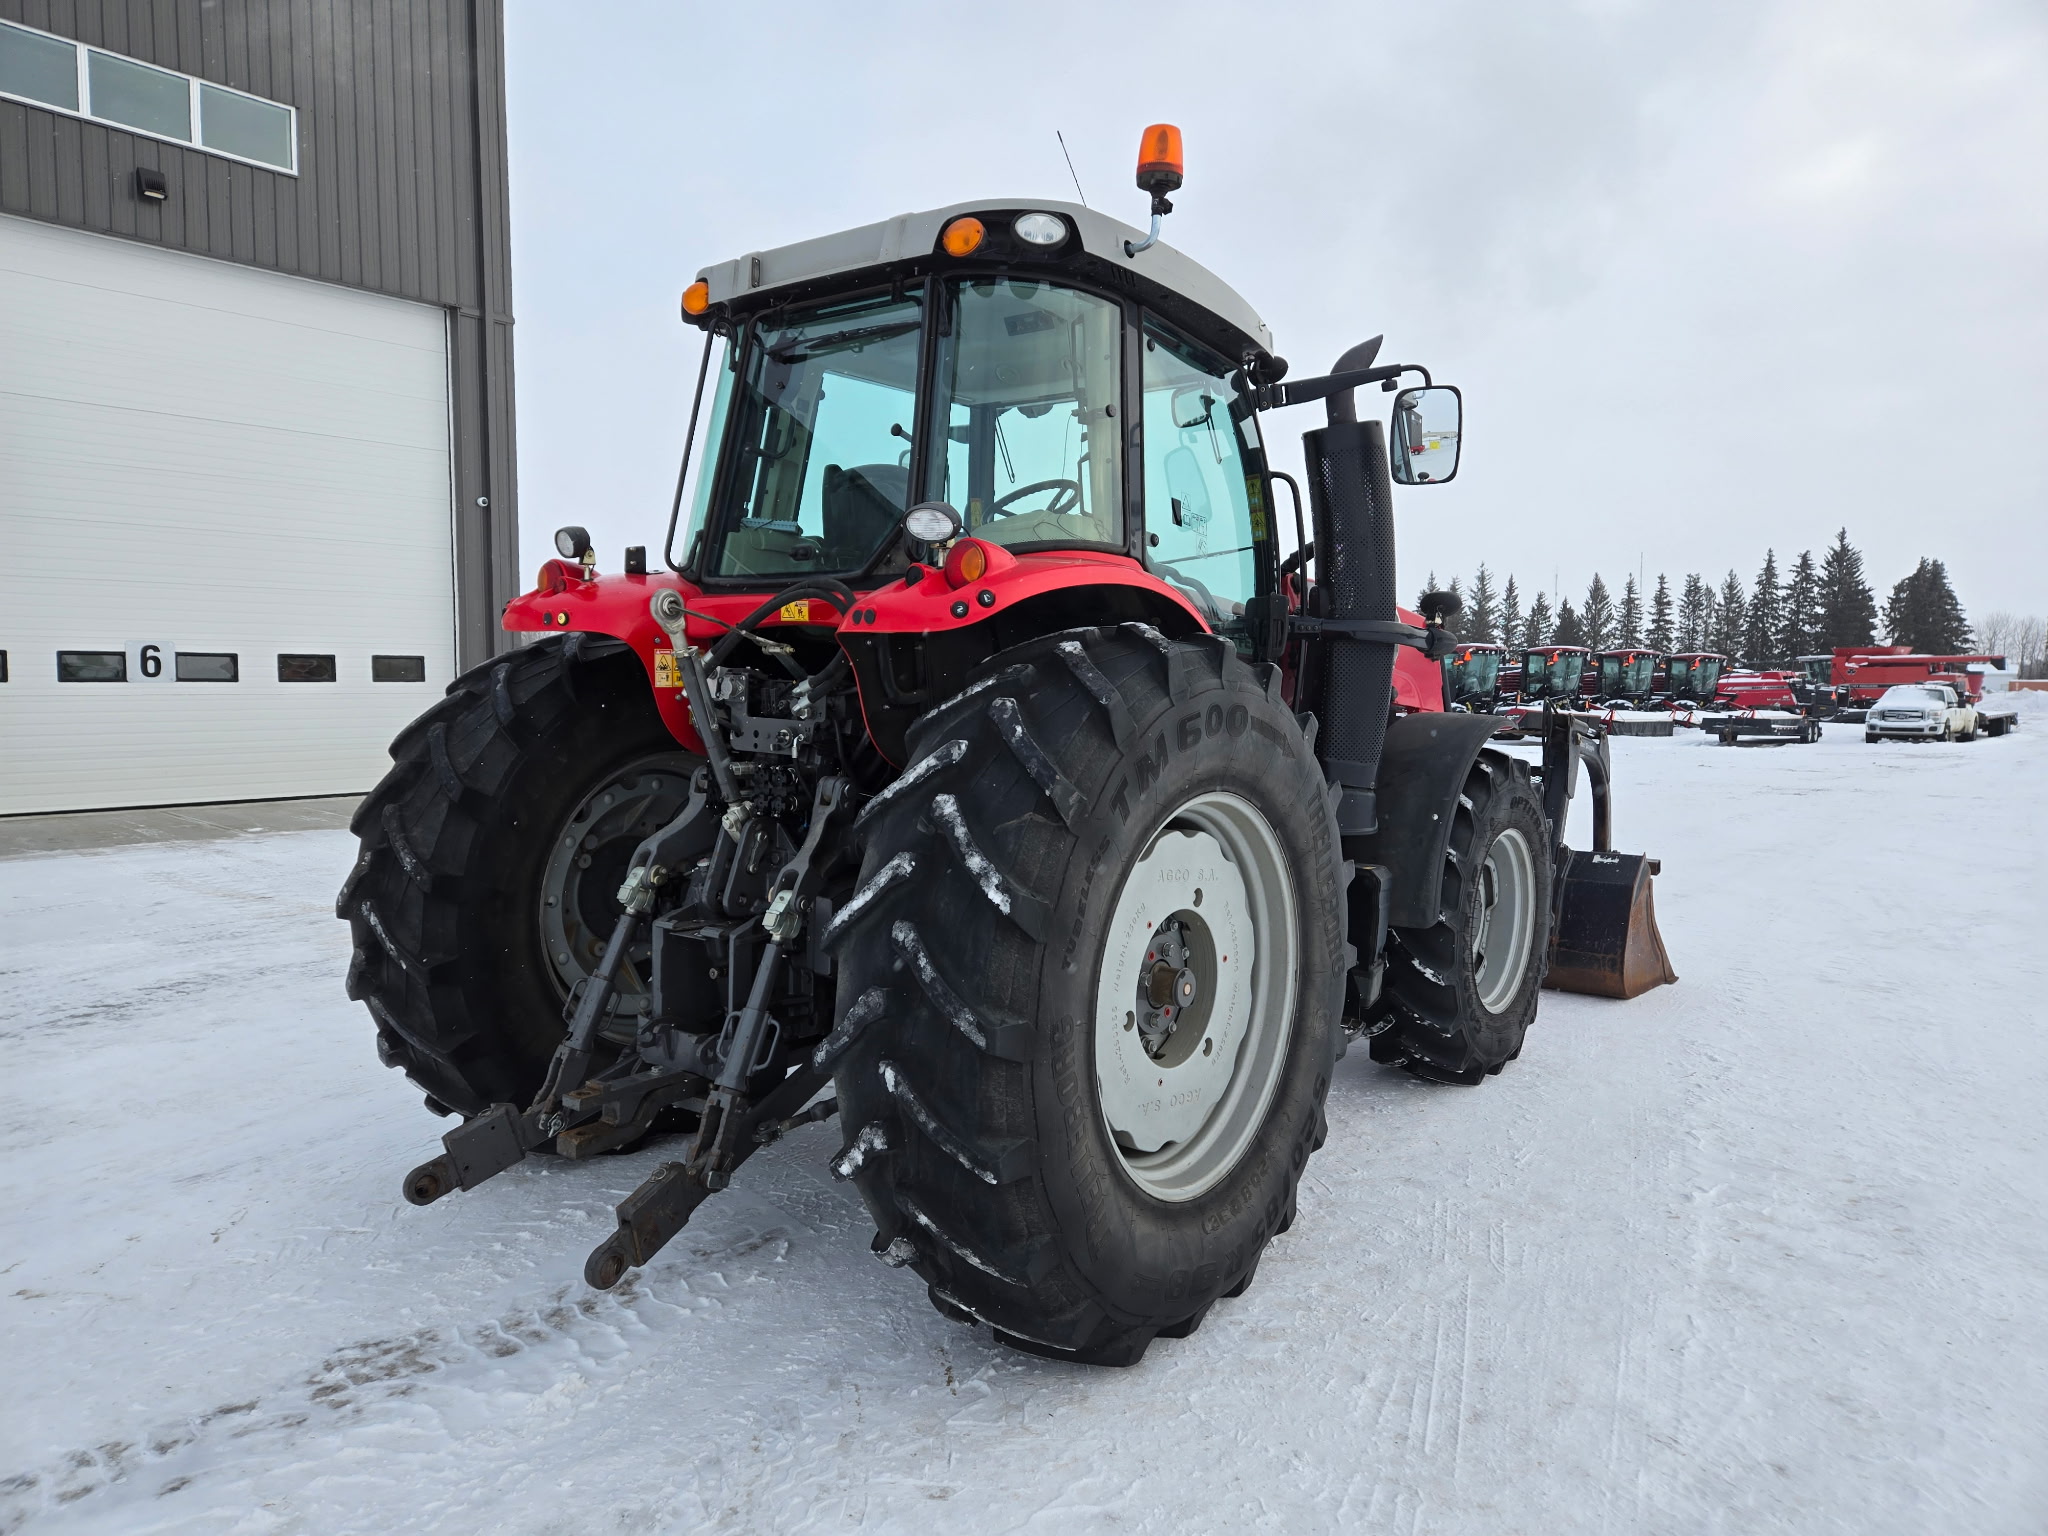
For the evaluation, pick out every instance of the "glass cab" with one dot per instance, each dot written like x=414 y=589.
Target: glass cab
x=1695 y=676
x=1626 y=674
x=1472 y=678
x=1553 y=671
x=1049 y=417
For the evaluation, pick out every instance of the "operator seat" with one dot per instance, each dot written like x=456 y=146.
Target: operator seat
x=860 y=506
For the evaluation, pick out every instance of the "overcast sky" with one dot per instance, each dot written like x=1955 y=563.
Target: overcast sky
x=1712 y=277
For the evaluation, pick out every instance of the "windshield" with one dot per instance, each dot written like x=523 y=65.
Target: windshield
x=1470 y=675
x=1025 y=397
x=817 y=472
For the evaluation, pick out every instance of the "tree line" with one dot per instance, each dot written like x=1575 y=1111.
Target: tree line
x=1812 y=609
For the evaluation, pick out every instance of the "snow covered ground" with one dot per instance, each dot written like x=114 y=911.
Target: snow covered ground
x=1765 y=1251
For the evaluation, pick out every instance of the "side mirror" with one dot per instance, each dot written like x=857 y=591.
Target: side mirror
x=1426 y=435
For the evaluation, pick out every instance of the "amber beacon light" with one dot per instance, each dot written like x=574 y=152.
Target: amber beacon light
x=1160 y=163
x=1159 y=172
x=697 y=297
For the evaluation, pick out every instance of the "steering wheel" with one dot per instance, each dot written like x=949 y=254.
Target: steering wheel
x=1069 y=497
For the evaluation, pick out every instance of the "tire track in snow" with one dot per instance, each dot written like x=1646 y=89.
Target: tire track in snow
x=572 y=1328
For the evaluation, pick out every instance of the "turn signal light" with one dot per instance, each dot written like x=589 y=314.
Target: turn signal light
x=1159 y=159
x=963 y=236
x=967 y=563
x=697 y=297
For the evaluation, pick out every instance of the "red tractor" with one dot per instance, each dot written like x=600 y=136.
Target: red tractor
x=968 y=760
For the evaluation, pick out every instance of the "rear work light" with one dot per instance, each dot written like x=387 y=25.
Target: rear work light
x=1044 y=229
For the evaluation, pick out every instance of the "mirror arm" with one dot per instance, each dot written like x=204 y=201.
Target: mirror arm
x=1301 y=391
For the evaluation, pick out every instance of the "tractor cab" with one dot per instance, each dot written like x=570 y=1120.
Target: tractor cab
x=1692 y=677
x=1626 y=676
x=1472 y=678
x=1553 y=671
x=1057 y=395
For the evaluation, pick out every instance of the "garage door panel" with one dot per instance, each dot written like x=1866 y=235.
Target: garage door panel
x=142 y=358
x=201 y=457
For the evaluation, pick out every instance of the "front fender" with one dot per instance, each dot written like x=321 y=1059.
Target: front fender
x=1422 y=773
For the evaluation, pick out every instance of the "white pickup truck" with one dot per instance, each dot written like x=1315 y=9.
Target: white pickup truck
x=1921 y=712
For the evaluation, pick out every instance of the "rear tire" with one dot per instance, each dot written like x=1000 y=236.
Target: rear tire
x=462 y=961
x=1458 y=996
x=986 y=1059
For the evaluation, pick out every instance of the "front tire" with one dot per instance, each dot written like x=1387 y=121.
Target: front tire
x=491 y=856
x=1114 y=858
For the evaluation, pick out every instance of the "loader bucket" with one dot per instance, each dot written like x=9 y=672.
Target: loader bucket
x=1606 y=941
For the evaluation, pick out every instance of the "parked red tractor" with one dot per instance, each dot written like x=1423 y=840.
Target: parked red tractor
x=969 y=758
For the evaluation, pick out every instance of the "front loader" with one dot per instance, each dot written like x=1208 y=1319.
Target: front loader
x=967 y=771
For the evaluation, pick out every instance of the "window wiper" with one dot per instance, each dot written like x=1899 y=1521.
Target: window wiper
x=840 y=341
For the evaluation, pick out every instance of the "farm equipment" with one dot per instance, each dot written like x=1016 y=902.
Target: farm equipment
x=1759 y=705
x=1626 y=678
x=1553 y=672
x=1861 y=674
x=1472 y=678
x=1691 y=679
x=969 y=758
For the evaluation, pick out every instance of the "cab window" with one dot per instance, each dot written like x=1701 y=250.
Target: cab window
x=1200 y=522
x=821 y=437
x=1025 y=440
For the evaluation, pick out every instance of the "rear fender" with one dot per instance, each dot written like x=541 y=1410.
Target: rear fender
x=564 y=601
x=1422 y=773
x=915 y=644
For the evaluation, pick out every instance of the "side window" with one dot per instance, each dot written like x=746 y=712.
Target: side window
x=1199 y=516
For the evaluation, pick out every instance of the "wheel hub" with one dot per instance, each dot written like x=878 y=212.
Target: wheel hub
x=579 y=886
x=1195 y=997
x=1504 y=929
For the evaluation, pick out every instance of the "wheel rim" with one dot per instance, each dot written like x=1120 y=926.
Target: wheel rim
x=1202 y=949
x=578 y=900
x=1504 y=931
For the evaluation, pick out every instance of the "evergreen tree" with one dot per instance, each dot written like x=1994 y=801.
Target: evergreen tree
x=1731 y=609
x=1427 y=588
x=1801 y=635
x=1694 y=599
x=1571 y=630
x=1539 y=626
x=1766 y=622
x=1596 y=619
x=1630 y=621
x=1659 y=635
x=1923 y=612
x=1511 y=615
x=1848 y=610
x=1482 y=609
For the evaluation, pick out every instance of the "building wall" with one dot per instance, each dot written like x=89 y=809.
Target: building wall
x=401 y=190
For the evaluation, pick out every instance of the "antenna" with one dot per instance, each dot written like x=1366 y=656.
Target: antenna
x=1070 y=167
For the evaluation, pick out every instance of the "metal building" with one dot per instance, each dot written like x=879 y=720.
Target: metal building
x=256 y=448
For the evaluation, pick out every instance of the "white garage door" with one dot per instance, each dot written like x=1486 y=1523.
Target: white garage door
x=224 y=501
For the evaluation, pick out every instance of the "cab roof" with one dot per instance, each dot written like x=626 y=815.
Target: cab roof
x=914 y=237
